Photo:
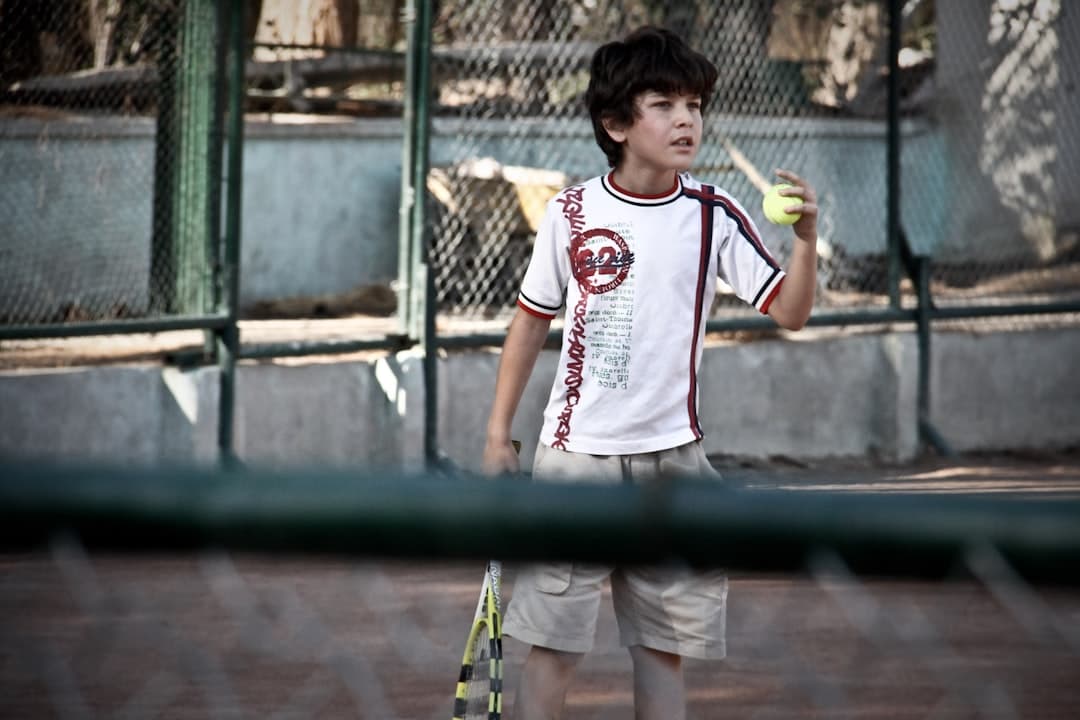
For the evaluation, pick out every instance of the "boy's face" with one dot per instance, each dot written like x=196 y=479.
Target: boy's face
x=665 y=134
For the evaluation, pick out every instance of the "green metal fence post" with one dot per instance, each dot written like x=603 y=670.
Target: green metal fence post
x=416 y=291
x=421 y=131
x=162 y=274
x=928 y=432
x=228 y=337
x=893 y=155
x=186 y=194
x=214 y=174
x=424 y=278
x=408 y=194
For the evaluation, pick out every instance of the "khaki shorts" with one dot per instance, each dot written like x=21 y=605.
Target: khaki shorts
x=671 y=608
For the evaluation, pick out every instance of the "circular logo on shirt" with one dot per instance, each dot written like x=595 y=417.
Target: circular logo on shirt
x=600 y=260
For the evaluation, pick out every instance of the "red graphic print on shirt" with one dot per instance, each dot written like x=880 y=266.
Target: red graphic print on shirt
x=600 y=260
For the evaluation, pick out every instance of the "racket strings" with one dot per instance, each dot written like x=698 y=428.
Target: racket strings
x=479 y=689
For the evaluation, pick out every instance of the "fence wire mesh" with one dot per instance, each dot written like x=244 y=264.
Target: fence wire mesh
x=522 y=132
x=187 y=593
x=987 y=166
x=106 y=177
x=324 y=248
x=213 y=634
x=991 y=179
x=324 y=92
x=105 y=140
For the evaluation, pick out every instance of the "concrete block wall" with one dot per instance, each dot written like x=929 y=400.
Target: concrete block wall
x=1008 y=390
x=810 y=396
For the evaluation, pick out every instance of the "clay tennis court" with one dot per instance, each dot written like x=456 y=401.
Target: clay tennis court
x=220 y=635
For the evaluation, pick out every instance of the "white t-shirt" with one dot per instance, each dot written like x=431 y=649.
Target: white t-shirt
x=638 y=275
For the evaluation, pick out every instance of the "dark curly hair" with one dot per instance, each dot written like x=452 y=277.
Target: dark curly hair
x=648 y=59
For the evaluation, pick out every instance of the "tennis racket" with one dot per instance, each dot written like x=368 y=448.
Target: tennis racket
x=479 y=687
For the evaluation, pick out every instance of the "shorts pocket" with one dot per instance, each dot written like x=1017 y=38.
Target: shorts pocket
x=554 y=578
x=541 y=451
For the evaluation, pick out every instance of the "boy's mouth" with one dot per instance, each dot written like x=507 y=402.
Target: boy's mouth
x=684 y=142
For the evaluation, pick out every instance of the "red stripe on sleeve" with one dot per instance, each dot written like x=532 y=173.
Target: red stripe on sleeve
x=772 y=296
x=534 y=313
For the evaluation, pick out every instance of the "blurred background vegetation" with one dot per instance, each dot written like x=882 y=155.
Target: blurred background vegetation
x=836 y=47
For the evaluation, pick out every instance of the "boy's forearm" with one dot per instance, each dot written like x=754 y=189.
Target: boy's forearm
x=793 y=304
x=523 y=343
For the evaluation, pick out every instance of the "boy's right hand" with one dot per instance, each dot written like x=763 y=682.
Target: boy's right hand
x=500 y=458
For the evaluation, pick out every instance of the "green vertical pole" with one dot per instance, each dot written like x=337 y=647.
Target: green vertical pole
x=162 y=290
x=408 y=194
x=214 y=171
x=421 y=134
x=416 y=306
x=928 y=432
x=892 y=193
x=199 y=188
x=424 y=279
x=228 y=338
x=186 y=197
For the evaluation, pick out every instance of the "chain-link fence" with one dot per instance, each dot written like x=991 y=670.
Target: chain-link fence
x=220 y=635
x=110 y=160
x=963 y=629
x=989 y=160
x=523 y=127
x=994 y=177
x=101 y=104
x=324 y=248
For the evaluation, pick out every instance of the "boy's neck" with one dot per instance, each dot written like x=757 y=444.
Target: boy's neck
x=644 y=182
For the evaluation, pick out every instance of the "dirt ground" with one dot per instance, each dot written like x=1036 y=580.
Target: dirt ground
x=217 y=635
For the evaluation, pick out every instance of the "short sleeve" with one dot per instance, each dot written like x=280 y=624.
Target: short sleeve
x=544 y=285
x=743 y=261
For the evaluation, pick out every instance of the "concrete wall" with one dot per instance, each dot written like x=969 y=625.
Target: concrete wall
x=136 y=414
x=320 y=208
x=817 y=395
x=1007 y=390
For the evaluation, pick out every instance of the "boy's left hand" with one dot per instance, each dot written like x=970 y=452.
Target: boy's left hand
x=806 y=226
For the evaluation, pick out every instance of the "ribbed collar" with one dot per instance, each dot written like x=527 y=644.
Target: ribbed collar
x=636 y=199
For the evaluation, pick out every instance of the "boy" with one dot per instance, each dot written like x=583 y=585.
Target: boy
x=635 y=253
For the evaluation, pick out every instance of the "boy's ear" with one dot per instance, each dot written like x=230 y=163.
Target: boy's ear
x=614 y=130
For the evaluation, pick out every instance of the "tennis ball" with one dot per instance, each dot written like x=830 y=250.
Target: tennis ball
x=773 y=205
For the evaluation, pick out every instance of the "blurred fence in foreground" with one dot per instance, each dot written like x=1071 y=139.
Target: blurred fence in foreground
x=195 y=593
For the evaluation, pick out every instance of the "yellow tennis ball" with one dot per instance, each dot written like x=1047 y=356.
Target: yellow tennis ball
x=773 y=205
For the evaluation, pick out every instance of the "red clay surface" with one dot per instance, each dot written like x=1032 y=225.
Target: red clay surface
x=218 y=635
